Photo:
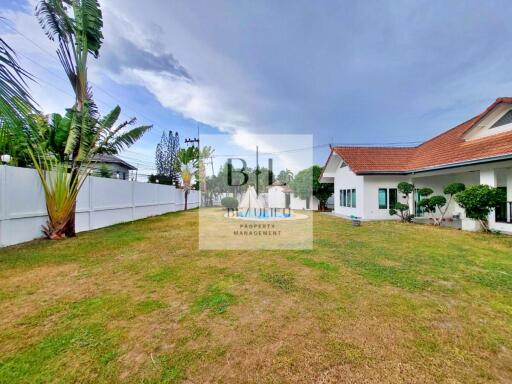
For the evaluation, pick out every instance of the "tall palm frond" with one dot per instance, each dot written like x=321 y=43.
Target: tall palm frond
x=13 y=87
x=112 y=140
x=76 y=25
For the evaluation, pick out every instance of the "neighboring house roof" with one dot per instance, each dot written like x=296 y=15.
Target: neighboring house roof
x=111 y=159
x=446 y=150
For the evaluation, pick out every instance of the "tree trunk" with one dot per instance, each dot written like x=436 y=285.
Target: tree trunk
x=69 y=229
x=485 y=225
x=186 y=198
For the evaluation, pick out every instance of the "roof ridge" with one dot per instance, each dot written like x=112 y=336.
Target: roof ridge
x=372 y=147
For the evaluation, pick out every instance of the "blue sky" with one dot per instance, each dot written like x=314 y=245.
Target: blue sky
x=346 y=72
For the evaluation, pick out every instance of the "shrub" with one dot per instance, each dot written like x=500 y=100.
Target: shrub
x=432 y=205
x=478 y=201
x=453 y=188
x=406 y=188
x=400 y=209
x=229 y=202
x=425 y=192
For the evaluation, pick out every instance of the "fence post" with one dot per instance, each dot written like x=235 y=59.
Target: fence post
x=133 y=198
x=90 y=181
x=2 y=201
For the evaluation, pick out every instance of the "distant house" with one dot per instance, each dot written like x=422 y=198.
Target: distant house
x=478 y=151
x=119 y=168
x=279 y=195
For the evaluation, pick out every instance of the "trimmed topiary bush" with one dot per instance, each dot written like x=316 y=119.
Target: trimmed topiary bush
x=480 y=200
x=402 y=210
x=229 y=202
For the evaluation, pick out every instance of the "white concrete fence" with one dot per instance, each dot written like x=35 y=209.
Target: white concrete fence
x=101 y=202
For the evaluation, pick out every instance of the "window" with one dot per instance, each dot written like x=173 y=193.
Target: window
x=383 y=198
x=503 y=120
x=348 y=198
x=393 y=197
x=501 y=210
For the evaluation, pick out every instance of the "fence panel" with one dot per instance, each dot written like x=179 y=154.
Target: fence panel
x=101 y=202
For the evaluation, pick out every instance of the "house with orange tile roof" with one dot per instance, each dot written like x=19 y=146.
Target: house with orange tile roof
x=478 y=151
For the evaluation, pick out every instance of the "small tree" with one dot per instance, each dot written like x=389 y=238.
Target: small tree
x=229 y=202
x=402 y=210
x=479 y=201
x=451 y=190
x=104 y=171
x=306 y=183
x=285 y=176
x=188 y=159
x=432 y=205
x=166 y=158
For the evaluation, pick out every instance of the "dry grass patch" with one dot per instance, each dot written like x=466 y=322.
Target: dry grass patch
x=139 y=303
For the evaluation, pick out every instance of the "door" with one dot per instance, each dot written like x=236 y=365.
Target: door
x=418 y=211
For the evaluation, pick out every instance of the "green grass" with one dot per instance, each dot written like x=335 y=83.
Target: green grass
x=161 y=274
x=216 y=301
x=323 y=265
x=139 y=303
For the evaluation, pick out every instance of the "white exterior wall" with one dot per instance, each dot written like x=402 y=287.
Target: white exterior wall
x=493 y=174
x=298 y=203
x=489 y=176
x=277 y=199
x=438 y=182
x=371 y=196
x=101 y=202
x=346 y=179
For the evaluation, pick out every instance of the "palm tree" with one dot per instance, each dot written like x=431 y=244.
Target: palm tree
x=77 y=26
x=188 y=159
x=285 y=176
x=14 y=96
x=51 y=149
x=15 y=102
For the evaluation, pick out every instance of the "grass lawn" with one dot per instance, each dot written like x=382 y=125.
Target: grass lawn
x=138 y=303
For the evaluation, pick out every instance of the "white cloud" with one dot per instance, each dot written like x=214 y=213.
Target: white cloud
x=191 y=99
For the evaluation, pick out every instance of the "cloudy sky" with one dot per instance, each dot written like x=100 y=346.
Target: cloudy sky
x=365 y=72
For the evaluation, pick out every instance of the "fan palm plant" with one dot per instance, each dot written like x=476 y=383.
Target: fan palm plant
x=14 y=96
x=77 y=26
x=51 y=150
x=15 y=102
x=188 y=159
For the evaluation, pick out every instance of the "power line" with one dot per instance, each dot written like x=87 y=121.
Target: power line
x=405 y=144
x=52 y=56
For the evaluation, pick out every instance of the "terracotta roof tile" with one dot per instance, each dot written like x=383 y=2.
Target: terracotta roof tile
x=444 y=149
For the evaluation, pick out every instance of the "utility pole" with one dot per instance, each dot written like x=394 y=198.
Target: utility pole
x=194 y=139
x=257 y=171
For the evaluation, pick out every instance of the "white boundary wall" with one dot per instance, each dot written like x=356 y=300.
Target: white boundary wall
x=101 y=202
